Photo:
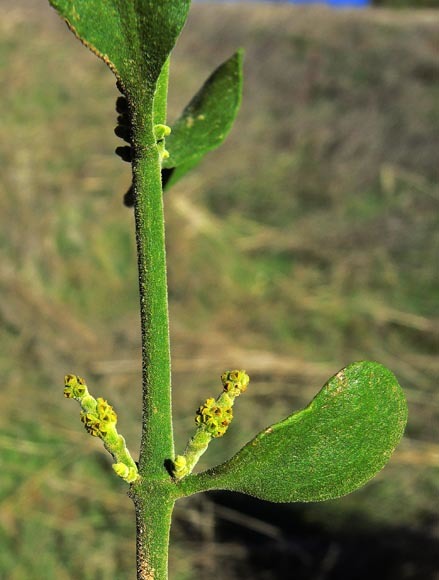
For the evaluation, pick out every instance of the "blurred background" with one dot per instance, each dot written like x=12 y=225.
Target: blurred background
x=308 y=241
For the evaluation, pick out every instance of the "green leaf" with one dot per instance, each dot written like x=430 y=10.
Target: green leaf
x=133 y=37
x=171 y=176
x=161 y=96
x=207 y=119
x=330 y=448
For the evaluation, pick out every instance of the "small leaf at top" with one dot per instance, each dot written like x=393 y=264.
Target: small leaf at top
x=207 y=119
x=330 y=448
x=134 y=38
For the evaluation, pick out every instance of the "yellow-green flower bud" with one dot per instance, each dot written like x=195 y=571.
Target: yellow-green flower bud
x=129 y=474
x=106 y=413
x=214 y=418
x=235 y=382
x=91 y=423
x=180 y=468
x=121 y=469
x=74 y=387
x=161 y=131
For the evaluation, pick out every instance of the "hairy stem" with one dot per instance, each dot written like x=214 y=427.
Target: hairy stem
x=157 y=440
x=154 y=493
x=154 y=508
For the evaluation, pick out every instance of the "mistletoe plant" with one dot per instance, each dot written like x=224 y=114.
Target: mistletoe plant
x=330 y=448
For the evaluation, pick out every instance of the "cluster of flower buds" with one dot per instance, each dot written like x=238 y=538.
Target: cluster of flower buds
x=74 y=387
x=160 y=132
x=99 y=419
x=212 y=420
x=215 y=417
x=235 y=382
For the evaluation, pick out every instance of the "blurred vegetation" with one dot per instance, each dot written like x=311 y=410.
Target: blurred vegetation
x=308 y=241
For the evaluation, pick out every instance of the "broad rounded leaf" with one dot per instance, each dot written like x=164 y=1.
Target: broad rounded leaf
x=134 y=38
x=330 y=448
x=207 y=119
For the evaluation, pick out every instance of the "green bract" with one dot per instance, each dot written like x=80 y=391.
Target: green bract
x=330 y=448
x=206 y=120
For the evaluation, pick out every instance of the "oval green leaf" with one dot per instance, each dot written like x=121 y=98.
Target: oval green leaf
x=332 y=447
x=134 y=38
x=207 y=119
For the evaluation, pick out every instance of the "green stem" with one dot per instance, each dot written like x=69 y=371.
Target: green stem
x=154 y=508
x=157 y=440
x=154 y=493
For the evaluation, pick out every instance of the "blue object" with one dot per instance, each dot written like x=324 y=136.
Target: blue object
x=339 y=3
x=334 y=3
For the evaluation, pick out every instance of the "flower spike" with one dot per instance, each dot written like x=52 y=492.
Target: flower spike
x=212 y=419
x=99 y=419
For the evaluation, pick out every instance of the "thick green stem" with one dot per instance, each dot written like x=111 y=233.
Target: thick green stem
x=154 y=508
x=153 y=494
x=157 y=439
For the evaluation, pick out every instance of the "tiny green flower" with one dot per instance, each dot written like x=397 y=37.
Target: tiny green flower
x=129 y=474
x=161 y=131
x=235 y=382
x=91 y=423
x=74 y=387
x=106 y=412
x=180 y=466
x=214 y=418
